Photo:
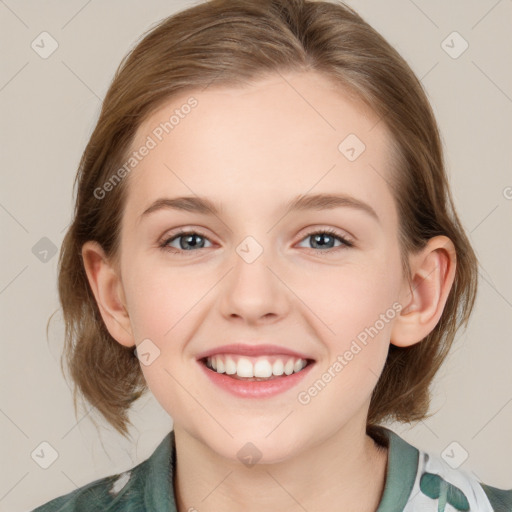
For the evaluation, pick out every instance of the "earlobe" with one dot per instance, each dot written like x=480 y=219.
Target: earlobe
x=107 y=288
x=425 y=296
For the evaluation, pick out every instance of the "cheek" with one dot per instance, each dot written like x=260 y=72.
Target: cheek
x=359 y=306
x=160 y=298
x=351 y=298
x=164 y=308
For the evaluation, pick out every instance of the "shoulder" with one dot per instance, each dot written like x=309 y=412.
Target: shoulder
x=437 y=480
x=144 y=487
x=501 y=499
x=113 y=493
x=419 y=480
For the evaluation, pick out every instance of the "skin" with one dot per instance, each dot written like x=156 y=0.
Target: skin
x=251 y=150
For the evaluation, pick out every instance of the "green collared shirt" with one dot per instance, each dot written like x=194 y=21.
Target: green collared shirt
x=416 y=481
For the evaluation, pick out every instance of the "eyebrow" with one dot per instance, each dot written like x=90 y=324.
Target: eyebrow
x=205 y=206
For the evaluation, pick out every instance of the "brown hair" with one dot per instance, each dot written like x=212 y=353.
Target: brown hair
x=232 y=42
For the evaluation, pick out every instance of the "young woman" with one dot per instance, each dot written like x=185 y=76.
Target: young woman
x=265 y=238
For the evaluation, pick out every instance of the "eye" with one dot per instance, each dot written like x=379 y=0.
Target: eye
x=187 y=241
x=324 y=240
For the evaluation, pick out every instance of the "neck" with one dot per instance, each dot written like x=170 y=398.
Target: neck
x=347 y=468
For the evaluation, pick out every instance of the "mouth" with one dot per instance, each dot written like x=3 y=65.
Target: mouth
x=255 y=369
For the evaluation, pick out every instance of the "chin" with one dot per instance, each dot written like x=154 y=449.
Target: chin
x=249 y=446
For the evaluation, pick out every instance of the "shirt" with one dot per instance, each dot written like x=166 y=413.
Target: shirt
x=416 y=481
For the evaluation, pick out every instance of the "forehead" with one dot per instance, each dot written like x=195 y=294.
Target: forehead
x=253 y=148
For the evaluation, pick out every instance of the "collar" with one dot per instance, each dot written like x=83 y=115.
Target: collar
x=159 y=475
x=401 y=470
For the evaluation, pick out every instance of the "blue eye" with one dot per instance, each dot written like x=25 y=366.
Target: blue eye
x=325 y=238
x=190 y=240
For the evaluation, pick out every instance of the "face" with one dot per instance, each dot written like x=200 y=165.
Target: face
x=319 y=282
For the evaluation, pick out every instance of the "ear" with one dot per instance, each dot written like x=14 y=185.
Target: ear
x=424 y=297
x=108 y=291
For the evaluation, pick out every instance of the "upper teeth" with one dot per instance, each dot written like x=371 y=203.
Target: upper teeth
x=260 y=367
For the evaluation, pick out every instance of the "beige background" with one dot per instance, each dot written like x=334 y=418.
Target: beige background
x=49 y=107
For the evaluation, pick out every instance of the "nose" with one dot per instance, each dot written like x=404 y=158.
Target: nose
x=254 y=292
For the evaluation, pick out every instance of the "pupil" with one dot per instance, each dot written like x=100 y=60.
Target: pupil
x=319 y=237
x=189 y=240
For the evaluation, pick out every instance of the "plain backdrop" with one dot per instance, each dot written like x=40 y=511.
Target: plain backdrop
x=49 y=107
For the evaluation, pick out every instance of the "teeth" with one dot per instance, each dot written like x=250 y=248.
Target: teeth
x=288 y=367
x=278 y=367
x=244 y=368
x=297 y=367
x=230 y=366
x=262 y=368
x=220 y=365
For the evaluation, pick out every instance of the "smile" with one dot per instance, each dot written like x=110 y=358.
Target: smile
x=255 y=368
x=254 y=377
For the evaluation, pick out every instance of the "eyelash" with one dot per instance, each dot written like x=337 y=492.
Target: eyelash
x=346 y=243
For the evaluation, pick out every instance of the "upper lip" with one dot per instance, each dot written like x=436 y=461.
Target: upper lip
x=251 y=350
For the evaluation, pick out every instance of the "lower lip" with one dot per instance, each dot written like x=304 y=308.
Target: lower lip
x=255 y=389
